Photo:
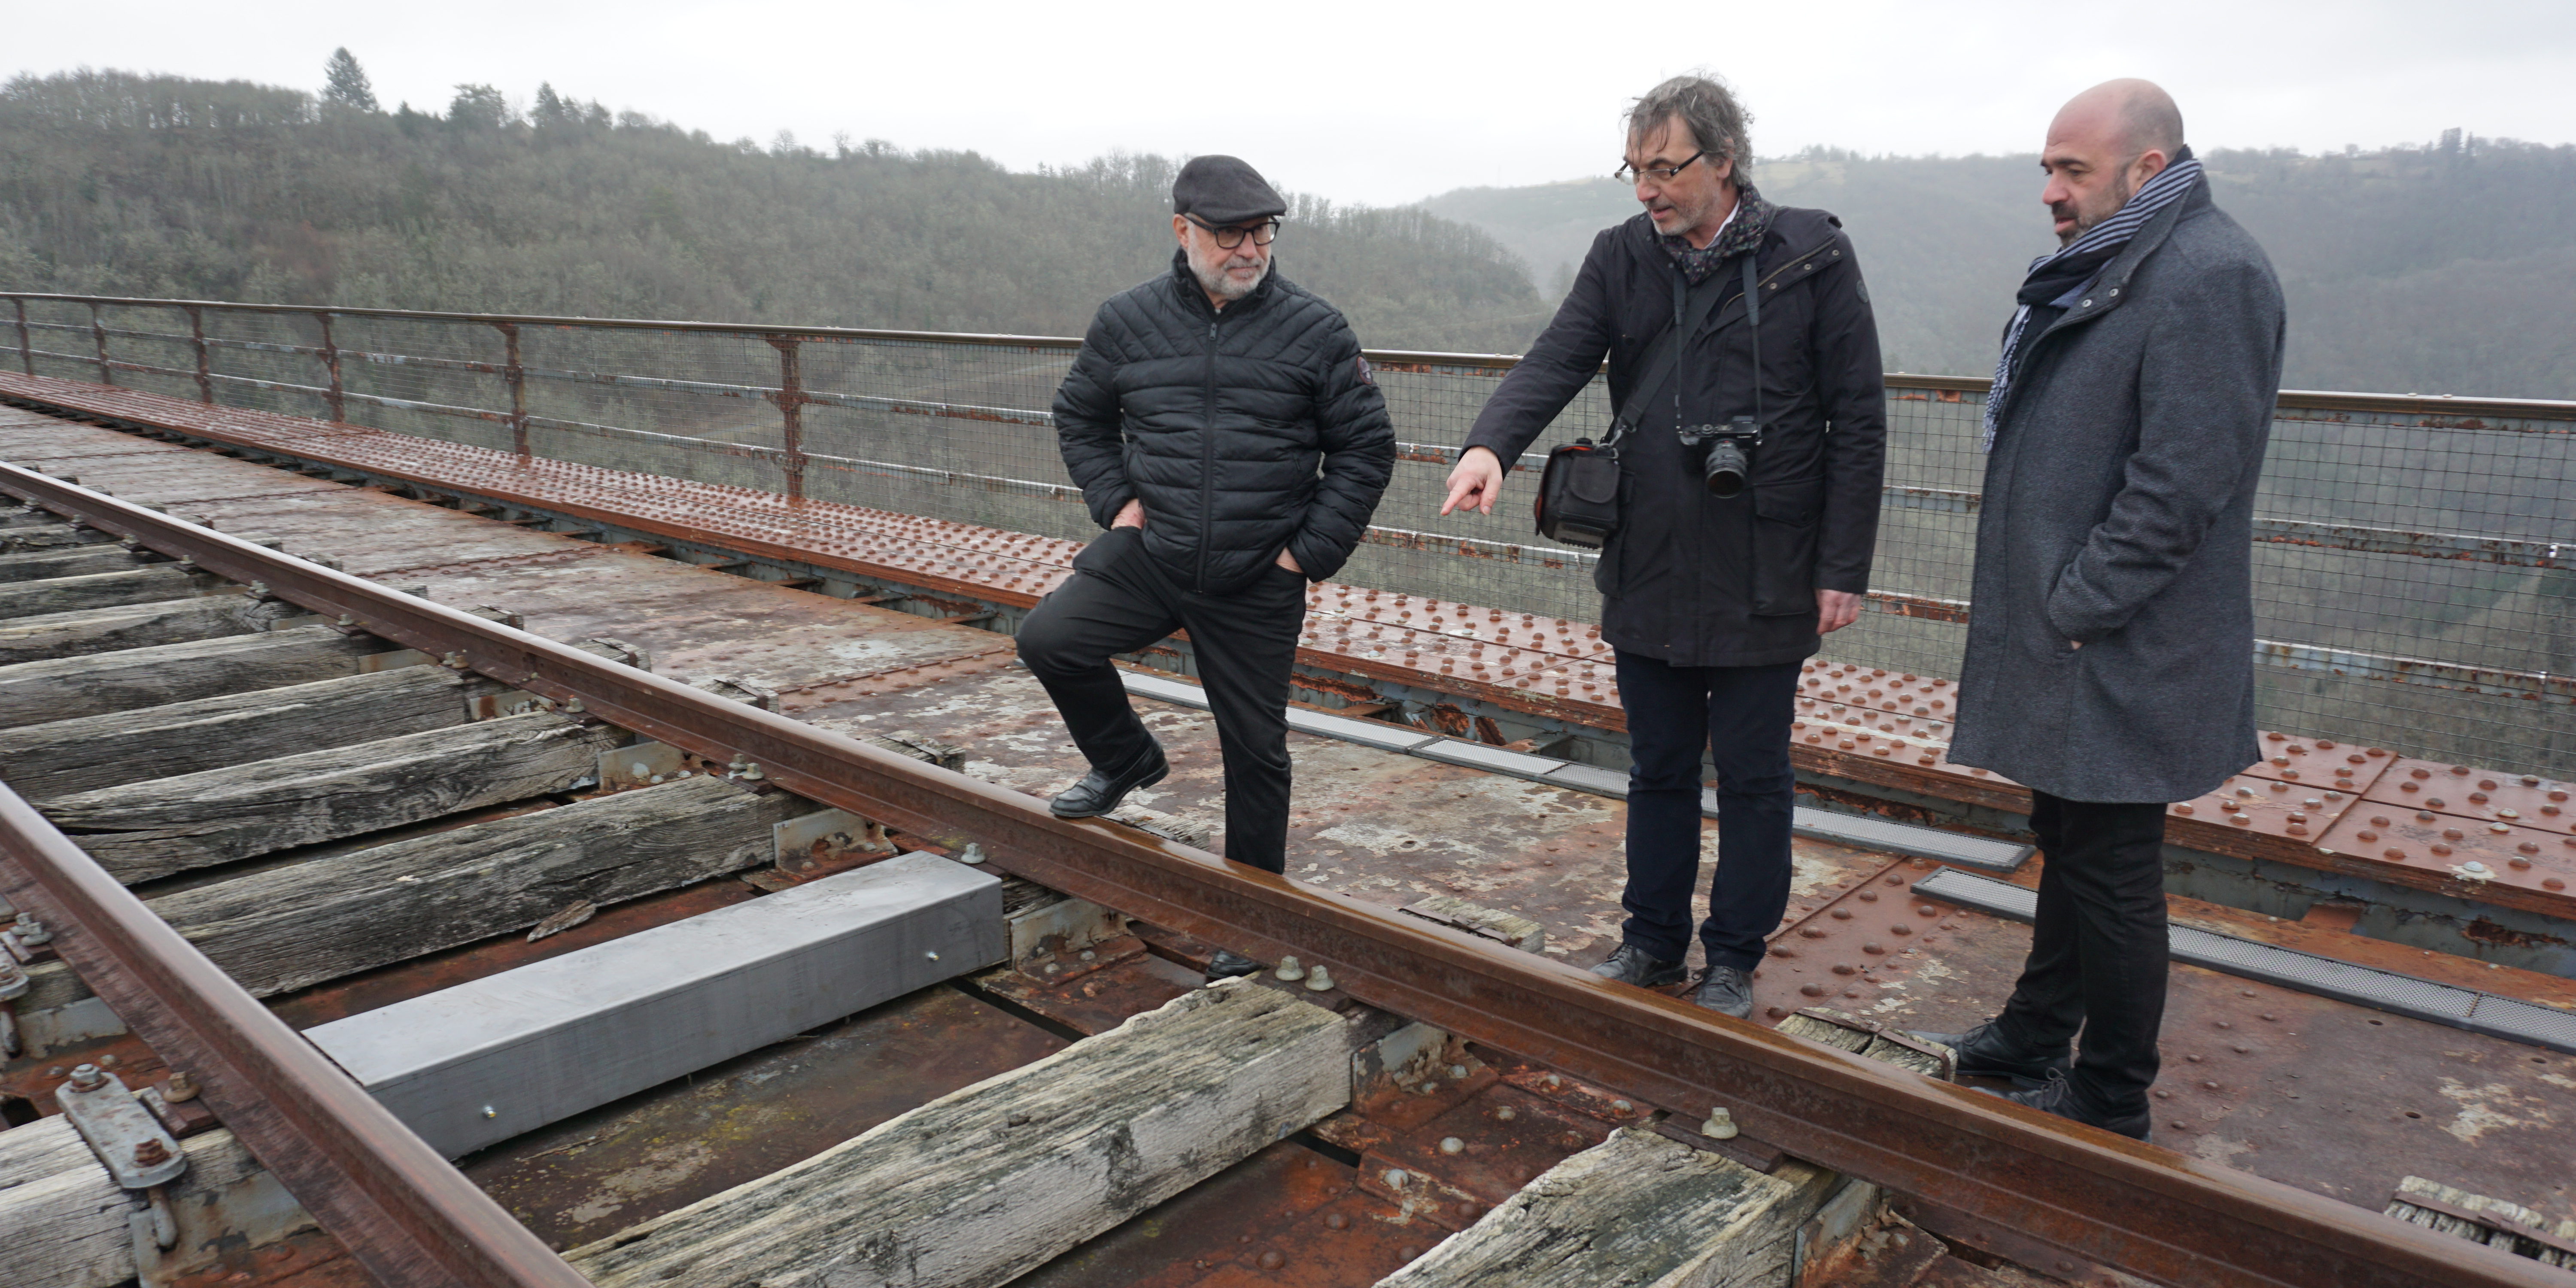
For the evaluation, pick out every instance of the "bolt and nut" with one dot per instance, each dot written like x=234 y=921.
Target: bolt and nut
x=87 y=1078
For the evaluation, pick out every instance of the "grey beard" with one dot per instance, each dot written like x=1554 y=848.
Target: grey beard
x=1213 y=280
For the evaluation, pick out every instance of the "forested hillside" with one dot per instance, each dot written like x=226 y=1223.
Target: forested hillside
x=2441 y=269
x=113 y=183
x=2436 y=269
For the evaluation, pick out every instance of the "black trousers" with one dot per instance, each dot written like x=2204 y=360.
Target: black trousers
x=1245 y=643
x=2098 y=950
x=1740 y=714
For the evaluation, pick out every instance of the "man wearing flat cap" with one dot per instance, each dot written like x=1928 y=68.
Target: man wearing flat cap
x=1225 y=430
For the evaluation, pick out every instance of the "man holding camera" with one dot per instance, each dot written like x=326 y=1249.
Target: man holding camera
x=1750 y=462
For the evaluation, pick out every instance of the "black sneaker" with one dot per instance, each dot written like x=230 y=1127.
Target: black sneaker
x=1632 y=965
x=1985 y=1053
x=1227 y=965
x=1727 y=991
x=1100 y=791
x=2057 y=1096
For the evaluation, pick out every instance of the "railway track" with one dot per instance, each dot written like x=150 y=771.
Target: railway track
x=715 y=929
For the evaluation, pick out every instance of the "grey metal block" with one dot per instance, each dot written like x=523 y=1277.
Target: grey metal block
x=488 y=1060
x=1591 y=778
x=1905 y=838
x=1369 y=733
x=1179 y=692
x=2382 y=990
x=1476 y=755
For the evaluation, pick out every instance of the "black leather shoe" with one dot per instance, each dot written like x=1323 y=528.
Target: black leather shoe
x=1728 y=991
x=1100 y=791
x=1632 y=965
x=2057 y=1096
x=1985 y=1053
x=1226 y=965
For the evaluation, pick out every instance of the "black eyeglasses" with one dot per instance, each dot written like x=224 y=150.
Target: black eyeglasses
x=1658 y=173
x=1262 y=234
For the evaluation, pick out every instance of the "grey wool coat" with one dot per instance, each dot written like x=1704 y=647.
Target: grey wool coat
x=2118 y=515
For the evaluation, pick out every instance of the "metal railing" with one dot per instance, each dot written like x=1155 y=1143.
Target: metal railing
x=2411 y=578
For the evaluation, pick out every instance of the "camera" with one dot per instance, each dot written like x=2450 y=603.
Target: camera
x=1726 y=467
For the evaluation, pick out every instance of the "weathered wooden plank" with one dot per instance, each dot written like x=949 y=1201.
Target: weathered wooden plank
x=68 y=1229
x=295 y=926
x=144 y=830
x=1647 y=1210
x=62 y=757
x=67 y=687
x=979 y=1186
x=144 y=585
x=106 y=630
x=53 y=536
x=38 y=564
x=1637 y=1209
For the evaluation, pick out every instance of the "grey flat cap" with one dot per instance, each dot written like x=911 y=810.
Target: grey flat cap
x=1223 y=190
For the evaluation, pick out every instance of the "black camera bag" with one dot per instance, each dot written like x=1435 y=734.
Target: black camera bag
x=1578 y=493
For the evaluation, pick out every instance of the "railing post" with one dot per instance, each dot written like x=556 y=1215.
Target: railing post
x=791 y=411
x=331 y=363
x=98 y=332
x=517 y=375
x=26 y=351
x=205 y=368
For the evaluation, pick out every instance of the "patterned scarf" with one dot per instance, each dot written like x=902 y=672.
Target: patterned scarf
x=1742 y=233
x=2074 y=264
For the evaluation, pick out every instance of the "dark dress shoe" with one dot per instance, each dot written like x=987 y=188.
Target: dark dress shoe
x=1632 y=965
x=1100 y=791
x=2057 y=1096
x=1985 y=1053
x=1226 y=965
x=1728 y=991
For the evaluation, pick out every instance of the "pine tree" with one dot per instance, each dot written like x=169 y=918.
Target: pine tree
x=347 y=83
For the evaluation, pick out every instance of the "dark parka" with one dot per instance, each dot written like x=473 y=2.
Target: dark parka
x=1218 y=422
x=1692 y=580
x=2118 y=514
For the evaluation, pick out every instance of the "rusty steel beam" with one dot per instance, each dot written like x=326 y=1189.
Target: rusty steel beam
x=2102 y=1198
x=411 y=1219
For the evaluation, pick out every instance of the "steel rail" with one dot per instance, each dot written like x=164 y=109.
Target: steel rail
x=411 y=1219
x=2442 y=406
x=2103 y=1198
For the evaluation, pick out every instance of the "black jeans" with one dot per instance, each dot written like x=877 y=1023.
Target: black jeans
x=1741 y=714
x=2098 y=950
x=1245 y=643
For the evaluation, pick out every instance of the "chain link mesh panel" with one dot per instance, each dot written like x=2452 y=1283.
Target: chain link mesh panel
x=2409 y=586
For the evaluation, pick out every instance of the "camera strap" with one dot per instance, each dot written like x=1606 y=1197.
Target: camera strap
x=1753 y=319
x=1691 y=307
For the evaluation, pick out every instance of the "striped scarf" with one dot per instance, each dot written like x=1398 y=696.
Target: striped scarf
x=2074 y=263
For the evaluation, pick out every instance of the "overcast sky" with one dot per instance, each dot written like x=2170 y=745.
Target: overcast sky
x=1389 y=102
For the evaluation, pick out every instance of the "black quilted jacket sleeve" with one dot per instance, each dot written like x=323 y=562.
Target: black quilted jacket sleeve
x=1087 y=426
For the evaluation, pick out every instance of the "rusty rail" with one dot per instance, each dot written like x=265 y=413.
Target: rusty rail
x=411 y=1219
x=2087 y=1194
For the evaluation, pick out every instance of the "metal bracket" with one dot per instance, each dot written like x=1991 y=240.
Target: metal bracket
x=799 y=843
x=136 y=1149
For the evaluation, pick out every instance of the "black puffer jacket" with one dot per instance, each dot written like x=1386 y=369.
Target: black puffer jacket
x=1219 y=422
x=1692 y=580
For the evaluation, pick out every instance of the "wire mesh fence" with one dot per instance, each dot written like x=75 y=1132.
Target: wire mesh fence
x=2410 y=590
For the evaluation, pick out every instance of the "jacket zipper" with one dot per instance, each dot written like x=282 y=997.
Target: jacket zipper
x=1207 y=461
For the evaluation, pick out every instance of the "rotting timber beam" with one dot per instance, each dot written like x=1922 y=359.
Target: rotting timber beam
x=2102 y=1198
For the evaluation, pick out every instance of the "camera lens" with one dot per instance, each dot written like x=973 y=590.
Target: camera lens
x=1726 y=468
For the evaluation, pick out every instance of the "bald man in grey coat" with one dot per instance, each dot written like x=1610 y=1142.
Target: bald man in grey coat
x=2110 y=650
